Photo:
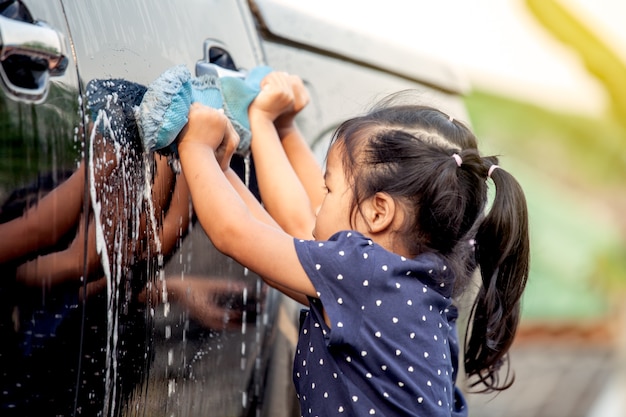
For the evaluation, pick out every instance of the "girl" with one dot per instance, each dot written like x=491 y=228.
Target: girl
x=400 y=231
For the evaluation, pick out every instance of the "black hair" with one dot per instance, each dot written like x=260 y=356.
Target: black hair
x=410 y=152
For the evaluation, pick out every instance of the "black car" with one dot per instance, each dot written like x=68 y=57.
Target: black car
x=113 y=302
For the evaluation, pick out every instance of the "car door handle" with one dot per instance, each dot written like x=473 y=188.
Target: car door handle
x=217 y=61
x=30 y=53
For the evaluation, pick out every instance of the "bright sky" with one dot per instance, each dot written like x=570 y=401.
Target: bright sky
x=497 y=42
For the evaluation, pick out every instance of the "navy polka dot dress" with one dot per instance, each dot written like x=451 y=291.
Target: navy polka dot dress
x=392 y=348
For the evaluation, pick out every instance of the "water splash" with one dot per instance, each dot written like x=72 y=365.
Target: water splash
x=101 y=248
x=246 y=162
x=118 y=189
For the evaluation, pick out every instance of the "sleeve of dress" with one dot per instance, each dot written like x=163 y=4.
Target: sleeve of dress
x=340 y=270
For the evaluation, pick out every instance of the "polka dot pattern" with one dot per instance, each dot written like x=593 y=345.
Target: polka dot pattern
x=391 y=349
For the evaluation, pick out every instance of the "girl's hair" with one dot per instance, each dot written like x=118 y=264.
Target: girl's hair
x=408 y=151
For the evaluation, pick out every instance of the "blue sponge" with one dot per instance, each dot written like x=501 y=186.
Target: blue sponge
x=238 y=94
x=163 y=111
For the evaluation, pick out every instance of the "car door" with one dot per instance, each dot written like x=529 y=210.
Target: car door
x=120 y=305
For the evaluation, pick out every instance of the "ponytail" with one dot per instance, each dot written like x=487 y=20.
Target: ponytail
x=502 y=254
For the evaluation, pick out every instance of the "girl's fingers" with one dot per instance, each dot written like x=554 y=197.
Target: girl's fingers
x=277 y=80
x=205 y=125
x=231 y=138
x=300 y=93
x=276 y=94
x=227 y=148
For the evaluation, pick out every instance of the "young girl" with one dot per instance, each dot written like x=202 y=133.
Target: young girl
x=400 y=231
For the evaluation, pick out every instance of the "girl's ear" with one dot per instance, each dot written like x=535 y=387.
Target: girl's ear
x=379 y=212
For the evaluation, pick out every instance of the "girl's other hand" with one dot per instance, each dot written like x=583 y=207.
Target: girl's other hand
x=227 y=148
x=300 y=94
x=275 y=98
x=301 y=99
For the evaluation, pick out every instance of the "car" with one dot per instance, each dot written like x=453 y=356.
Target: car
x=113 y=301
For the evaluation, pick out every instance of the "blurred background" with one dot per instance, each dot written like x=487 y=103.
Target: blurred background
x=547 y=92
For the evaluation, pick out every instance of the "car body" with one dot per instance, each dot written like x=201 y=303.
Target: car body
x=102 y=312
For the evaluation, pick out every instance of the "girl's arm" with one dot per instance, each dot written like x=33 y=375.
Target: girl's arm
x=249 y=199
x=297 y=149
x=282 y=193
x=45 y=223
x=67 y=265
x=259 y=213
x=231 y=226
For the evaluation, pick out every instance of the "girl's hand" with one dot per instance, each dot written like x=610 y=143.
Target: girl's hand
x=300 y=93
x=275 y=98
x=210 y=127
x=227 y=148
x=301 y=99
x=205 y=126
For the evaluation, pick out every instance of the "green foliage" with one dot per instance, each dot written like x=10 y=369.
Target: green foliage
x=610 y=265
x=567 y=165
x=601 y=61
x=576 y=148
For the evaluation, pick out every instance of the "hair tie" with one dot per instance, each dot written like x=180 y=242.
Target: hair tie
x=491 y=169
x=458 y=159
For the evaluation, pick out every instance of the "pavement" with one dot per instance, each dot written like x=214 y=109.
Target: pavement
x=560 y=377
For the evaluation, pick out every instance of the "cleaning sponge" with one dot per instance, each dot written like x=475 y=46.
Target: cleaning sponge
x=238 y=94
x=163 y=111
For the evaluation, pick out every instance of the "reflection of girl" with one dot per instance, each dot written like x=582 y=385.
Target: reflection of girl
x=216 y=303
x=390 y=246
x=37 y=235
x=46 y=328
x=44 y=224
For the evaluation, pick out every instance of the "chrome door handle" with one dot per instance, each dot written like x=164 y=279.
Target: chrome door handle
x=217 y=61
x=30 y=53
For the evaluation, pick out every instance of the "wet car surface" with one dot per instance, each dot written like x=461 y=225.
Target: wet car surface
x=113 y=302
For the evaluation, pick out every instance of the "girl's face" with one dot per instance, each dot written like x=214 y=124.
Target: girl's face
x=334 y=213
